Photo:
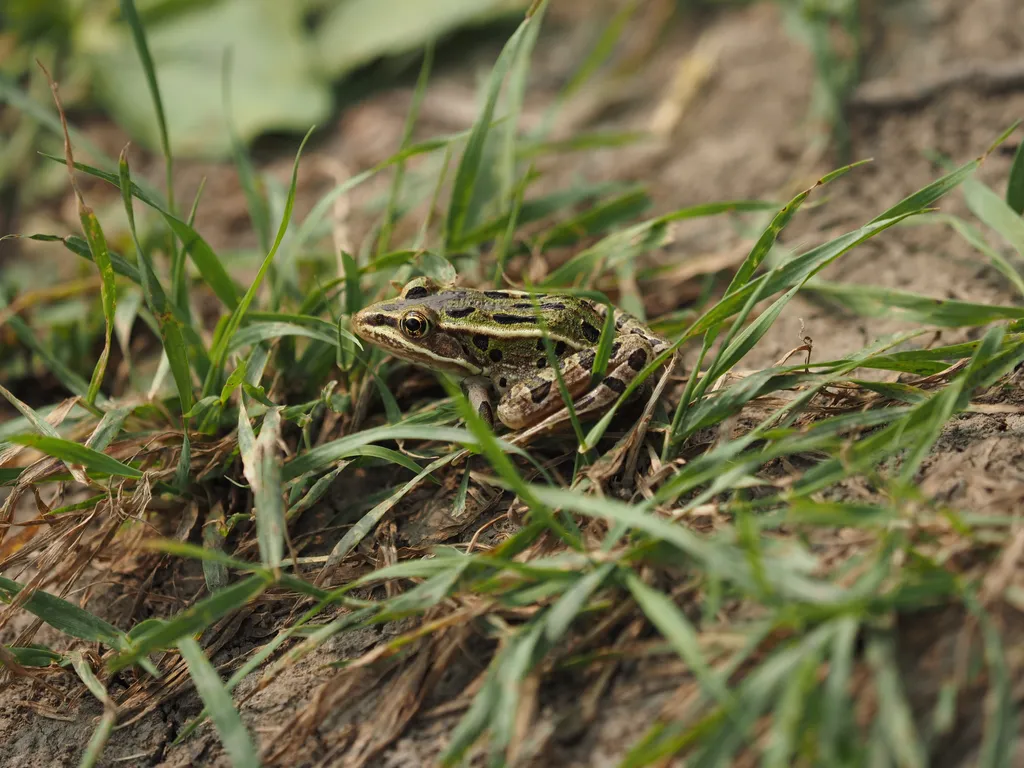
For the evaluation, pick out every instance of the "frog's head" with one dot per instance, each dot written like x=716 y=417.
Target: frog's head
x=411 y=327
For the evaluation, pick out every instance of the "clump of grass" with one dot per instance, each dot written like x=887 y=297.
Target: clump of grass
x=249 y=423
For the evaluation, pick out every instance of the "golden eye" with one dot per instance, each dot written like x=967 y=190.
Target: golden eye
x=415 y=325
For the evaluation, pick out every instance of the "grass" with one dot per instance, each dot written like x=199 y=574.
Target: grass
x=223 y=458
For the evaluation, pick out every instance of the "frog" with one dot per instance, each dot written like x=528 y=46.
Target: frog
x=494 y=341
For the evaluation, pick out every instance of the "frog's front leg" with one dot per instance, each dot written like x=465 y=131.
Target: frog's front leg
x=478 y=390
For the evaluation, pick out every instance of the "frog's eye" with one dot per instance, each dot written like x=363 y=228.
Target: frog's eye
x=415 y=324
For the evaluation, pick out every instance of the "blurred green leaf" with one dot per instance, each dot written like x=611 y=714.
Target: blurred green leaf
x=356 y=32
x=276 y=83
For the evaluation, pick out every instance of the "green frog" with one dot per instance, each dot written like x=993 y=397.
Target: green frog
x=494 y=342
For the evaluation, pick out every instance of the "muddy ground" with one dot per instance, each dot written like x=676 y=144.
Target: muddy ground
x=939 y=75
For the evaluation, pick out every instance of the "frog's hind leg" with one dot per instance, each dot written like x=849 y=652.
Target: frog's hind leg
x=531 y=400
x=631 y=354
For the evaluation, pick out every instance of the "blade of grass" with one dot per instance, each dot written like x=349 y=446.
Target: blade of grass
x=464 y=186
x=100 y=736
x=681 y=635
x=97 y=247
x=192 y=243
x=995 y=212
x=192 y=620
x=237 y=742
x=72 y=452
x=324 y=455
x=387 y=225
x=876 y=301
x=1015 y=182
x=64 y=616
x=623 y=244
x=263 y=471
x=975 y=238
x=131 y=16
x=894 y=715
x=219 y=353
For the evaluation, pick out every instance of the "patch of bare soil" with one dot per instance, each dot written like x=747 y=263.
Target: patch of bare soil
x=941 y=75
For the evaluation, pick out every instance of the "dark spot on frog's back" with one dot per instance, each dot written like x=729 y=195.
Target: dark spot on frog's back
x=495 y=294
x=481 y=341
x=495 y=355
x=587 y=358
x=615 y=385
x=560 y=348
x=529 y=305
x=417 y=293
x=638 y=360
x=540 y=392
x=505 y=319
x=458 y=312
x=590 y=333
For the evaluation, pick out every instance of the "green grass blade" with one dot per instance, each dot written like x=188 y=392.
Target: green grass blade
x=263 y=471
x=220 y=350
x=875 y=301
x=1015 y=183
x=771 y=234
x=192 y=620
x=928 y=195
x=203 y=257
x=624 y=244
x=464 y=186
x=894 y=714
x=75 y=453
x=475 y=721
x=785 y=735
x=419 y=92
x=108 y=428
x=680 y=633
x=108 y=292
x=11 y=94
x=64 y=616
x=34 y=655
x=988 y=206
x=975 y=238
x=564 y=612
x=105 y=727
x=323 y=456
x=38 y=423
x=256 y=332
x=68 y=378
x=131 y=16
x=237 y=742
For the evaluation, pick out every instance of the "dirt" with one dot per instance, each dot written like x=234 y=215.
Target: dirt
x=741 y=136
